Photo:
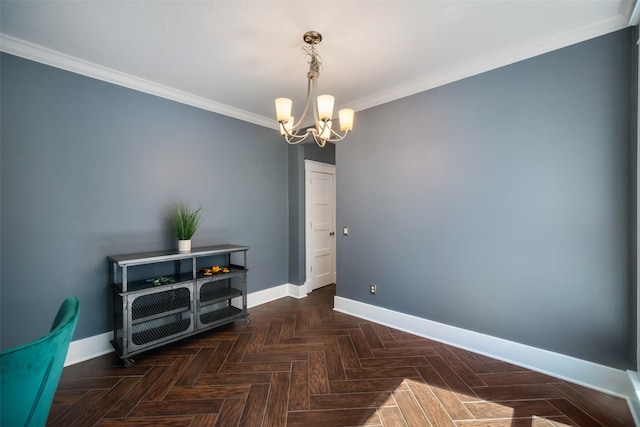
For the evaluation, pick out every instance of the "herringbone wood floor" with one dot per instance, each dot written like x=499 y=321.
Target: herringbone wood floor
x=299 y=363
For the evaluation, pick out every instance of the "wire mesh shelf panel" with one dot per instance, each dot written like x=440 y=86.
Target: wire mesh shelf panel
x=161 y=328
x=156 y=317
x=148 y=307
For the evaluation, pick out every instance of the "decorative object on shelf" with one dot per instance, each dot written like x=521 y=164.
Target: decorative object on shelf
x=322 y=106
x=160 y=280
x=216 y=269
x=184 y=222
x=184 y=245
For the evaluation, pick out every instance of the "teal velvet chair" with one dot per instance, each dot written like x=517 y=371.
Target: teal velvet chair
x=30 y=372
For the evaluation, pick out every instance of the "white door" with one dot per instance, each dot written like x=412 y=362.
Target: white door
x=320 y=215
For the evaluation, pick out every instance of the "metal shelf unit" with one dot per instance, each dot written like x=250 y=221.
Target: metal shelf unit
x=147 y=315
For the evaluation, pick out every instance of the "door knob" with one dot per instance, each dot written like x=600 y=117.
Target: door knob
x=332 y=233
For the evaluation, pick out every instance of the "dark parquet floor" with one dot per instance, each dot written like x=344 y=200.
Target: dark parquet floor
x=299 y=363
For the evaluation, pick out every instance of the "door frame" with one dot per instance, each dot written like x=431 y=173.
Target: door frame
x=314 y=166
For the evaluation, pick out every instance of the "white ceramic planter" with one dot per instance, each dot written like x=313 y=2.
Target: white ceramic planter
x=184 y=245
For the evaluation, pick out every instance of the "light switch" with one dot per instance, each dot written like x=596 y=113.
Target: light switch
x=345 y=231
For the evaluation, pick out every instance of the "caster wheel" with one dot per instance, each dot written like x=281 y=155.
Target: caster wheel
x=128 y=362
x=247 y=320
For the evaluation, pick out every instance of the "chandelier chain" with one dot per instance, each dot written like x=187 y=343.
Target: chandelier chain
x=314 y=63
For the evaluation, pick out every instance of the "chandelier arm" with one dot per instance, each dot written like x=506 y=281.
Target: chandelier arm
x=295 y=138
x=338 y=136
x=297 y=141
x=296 y=127
x=321 y=142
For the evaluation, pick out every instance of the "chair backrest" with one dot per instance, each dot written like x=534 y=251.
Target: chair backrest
x=30 y=373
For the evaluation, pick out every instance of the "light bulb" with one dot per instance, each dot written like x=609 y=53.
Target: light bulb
x=283 y=108
x=346 y=119
x=325 y=107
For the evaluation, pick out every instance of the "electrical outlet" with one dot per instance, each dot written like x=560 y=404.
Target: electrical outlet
x=372 y=289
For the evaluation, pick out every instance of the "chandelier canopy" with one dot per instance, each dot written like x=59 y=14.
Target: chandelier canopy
x=321 y=106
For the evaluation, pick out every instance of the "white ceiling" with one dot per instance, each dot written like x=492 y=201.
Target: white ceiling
x=235 y=57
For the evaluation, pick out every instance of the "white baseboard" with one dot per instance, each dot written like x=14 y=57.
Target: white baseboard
x=97 y=345
x=298 y=291
x=88 y=348
x=589 y=374
x=271 y=294
x=634 y=398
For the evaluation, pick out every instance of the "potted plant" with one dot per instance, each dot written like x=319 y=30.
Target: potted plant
x=184 y=222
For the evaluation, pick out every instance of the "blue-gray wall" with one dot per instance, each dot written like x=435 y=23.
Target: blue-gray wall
x=89 y=169
x=501 y=203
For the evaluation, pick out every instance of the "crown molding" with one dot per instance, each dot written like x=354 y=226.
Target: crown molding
x=491 y=63
x=37 y=53
x=56 y=59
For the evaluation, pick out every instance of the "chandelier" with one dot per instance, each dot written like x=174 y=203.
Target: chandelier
x=321 y=106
